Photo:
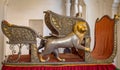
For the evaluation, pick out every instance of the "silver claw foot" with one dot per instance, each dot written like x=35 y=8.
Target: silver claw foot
x=43 y=60
x=62 y=60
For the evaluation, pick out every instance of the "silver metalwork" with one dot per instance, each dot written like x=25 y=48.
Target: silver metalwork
x=62 y=27
x=19 y=36
x=63 y=35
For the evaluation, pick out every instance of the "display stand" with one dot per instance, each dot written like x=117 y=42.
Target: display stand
x=60 y=67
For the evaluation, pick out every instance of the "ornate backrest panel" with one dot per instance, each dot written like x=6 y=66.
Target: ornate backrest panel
x=18 y=34
x=104 y=38
x=59 y=24
x=105 y=41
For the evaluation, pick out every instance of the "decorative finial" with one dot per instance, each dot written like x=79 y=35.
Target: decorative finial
x=116 y=16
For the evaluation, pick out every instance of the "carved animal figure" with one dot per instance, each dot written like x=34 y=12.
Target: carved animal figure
x=73 y=39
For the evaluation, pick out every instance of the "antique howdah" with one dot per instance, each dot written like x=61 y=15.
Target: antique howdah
x=70 y=33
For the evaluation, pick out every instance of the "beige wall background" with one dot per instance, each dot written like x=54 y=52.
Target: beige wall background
x=1 y=35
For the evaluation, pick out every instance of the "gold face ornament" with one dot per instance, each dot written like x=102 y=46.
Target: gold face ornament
x=80 y=27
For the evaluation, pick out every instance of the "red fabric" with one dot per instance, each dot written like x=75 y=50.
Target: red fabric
x=77 y=67
x=104 y=38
